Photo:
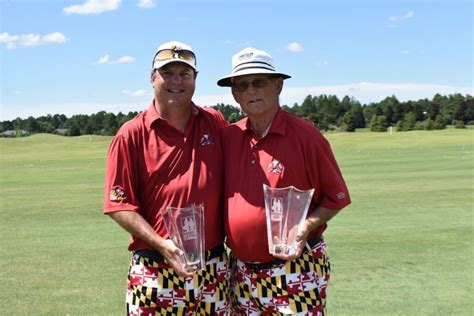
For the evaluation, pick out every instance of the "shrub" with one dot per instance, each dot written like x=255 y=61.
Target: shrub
x=419 y=126
x=439 y=122
x=399 y=126
x=459 y=124
x=429 y=124
x=378 y=123
x=409 y=121
x=348 y=122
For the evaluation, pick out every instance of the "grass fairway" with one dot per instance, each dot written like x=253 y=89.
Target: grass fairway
x=404 y=246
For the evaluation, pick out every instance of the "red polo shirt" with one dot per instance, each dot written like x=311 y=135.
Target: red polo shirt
x=151 y=165
x=293 y=152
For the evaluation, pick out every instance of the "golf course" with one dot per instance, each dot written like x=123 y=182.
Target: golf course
x=403 y=247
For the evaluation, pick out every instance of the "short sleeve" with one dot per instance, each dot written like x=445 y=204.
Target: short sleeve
x=325 y=175
x=121 y=176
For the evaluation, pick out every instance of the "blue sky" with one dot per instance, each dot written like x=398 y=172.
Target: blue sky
x=84 y=56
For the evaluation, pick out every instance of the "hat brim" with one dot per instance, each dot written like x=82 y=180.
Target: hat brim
x=166 y=62
x=227 y=80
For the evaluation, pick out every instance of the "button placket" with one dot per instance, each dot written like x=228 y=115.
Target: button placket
x=255 y=149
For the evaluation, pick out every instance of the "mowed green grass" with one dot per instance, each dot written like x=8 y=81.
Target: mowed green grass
x=403 y=247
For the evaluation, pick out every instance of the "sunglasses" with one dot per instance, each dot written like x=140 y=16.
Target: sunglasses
x=242 y=86
x=182 y=54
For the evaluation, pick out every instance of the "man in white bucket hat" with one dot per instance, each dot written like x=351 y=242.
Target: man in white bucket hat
x=273 y=147
x=169 y=155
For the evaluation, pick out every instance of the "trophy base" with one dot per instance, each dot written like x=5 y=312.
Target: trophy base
x=281 y=249
x=193 y=266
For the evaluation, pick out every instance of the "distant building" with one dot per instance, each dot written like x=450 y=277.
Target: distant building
x=61 y=131
x=13 y=133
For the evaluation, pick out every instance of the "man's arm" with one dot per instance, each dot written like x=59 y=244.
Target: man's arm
x=320 y=216
x=136 y=225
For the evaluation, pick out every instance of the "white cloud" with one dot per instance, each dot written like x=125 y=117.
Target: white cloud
x=122 y=60
x=55 y=37
x=92 y=7
x=31 y=40
x=394 y=19
x=146 y=4
x=9 y=40
x=414 y=51
x=103 y=60
x=137 y=93
x=322 y=63
x=408 y=15
x=295 y=47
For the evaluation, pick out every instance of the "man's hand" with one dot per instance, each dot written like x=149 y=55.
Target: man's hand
x=300 y=244
x=320 y=216
x=136 y=225
x=174 y=256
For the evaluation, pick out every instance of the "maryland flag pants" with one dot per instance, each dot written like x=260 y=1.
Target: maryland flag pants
x=295 y=287
x=153 y=288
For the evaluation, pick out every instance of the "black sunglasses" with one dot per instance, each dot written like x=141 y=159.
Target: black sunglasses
x=242 y=86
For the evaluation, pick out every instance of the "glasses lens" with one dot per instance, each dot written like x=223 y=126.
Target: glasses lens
x=164 y=54
x=242 y=86
x=260 y=83
x=185 y=55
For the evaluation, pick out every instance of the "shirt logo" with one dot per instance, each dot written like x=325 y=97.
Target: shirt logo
x=117 y=194
x=275 y=166
x=341 y=195
x=206 y=139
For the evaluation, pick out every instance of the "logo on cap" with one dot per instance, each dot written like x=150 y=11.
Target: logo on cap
x=246 y=55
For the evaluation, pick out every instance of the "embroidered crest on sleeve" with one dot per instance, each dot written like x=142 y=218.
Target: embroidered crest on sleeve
x=117 y=194
x=206 y=139
x=341 y=195
x=275 y=166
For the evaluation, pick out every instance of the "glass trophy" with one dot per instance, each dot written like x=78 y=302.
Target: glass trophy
x=286 y=210
x=186 y=229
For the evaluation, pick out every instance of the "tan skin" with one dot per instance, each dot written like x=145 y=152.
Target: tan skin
x=173 y=86
x=261 y=105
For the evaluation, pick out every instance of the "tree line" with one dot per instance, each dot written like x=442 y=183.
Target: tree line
x=101 y=123
x=325 y=111
x=329 y=113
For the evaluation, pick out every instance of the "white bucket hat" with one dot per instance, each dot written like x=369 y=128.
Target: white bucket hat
x=174 y=51
x=250 y=61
